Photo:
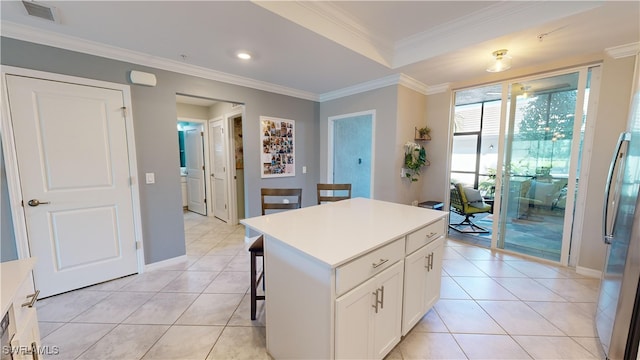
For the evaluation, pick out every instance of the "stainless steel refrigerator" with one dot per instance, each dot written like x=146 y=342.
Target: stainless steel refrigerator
x=618 y=311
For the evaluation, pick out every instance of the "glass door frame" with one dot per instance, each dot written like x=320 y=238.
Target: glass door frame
x=571 y=235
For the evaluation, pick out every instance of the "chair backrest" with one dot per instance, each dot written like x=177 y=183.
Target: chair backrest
x=294 y=197
x=456 y=198
x=344 y=191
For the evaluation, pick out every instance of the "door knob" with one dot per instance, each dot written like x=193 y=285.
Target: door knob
x=36 y=202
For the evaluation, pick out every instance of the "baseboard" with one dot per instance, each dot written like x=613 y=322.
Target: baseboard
x=588 y=272
x=163 y=263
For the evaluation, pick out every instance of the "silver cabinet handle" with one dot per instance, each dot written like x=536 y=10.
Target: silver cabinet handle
x=431 y=234
x=36 y=202
x=379 y=294
x=34 y=351
x=33 y=297
x=381 y=262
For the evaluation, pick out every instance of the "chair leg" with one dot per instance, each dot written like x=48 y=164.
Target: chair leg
x=475 y=229
x=254 y=285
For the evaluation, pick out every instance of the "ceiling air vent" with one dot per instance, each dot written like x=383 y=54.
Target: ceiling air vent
x=41 y=11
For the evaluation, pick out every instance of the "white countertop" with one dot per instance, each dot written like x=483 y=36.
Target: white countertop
x=12 y=273
x=335 y=233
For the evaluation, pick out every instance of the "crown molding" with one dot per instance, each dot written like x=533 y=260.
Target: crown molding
x=440 y=88
x=38 y=36
x=395 y=79
x=622 y=51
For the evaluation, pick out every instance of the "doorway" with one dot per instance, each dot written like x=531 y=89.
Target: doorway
x=519 y=144
x=351 y=152
x=220 y=124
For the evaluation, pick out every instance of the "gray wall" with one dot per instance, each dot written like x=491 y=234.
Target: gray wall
x=436 y=178
x=613 y=110
x=154 y=113
x=192 y=111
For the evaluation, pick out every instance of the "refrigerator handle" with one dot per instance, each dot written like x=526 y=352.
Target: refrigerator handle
x=609 y=215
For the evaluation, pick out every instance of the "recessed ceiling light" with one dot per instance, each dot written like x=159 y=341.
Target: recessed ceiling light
x=243 y=55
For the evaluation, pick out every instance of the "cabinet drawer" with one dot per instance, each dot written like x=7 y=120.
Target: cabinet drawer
x=427 y=234
x=359 y=270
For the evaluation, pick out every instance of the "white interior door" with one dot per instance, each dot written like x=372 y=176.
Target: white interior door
x=219 y=174
x=72 y=153
x=194 y=157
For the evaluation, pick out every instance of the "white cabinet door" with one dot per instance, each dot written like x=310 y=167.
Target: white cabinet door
x=388 y=319
x=415 y=284
x=368 y=318
x=422 y=278
x=354 y=322
x=434 y=273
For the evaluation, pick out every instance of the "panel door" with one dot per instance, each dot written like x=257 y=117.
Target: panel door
x=194 y=153
x=219 y=175
x=415 y=282
x=434 y=273
x=354 y=322
x=388 y=320
x=71 y=145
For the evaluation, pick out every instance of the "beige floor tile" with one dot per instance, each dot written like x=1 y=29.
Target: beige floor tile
x=466 y=316
x=527 y=289
x=592 y=345
x=185 y=342
x=191 y=282
x=430 y=322
x=125 y=342
x=449 y=289
x=241 y=343
x=182 y=264
x=461 y=268
x=547 y=347
x=211 y=263
x=74 y=339
x=242 y=315
x=484 y=288
x=113 y=285
x=115 y=308
x=241 y=262
x=419 y=345
x=64 y=307
x=483 y=347
x=151 y=280
x=199 y=247
x=451 y=254
x=534 y=269
x=395 y=354
x=477 y=253
x=573 y=319
x=211 y=309
x=571 y=289
x=162 y=308
x=47 y=328
x=230 y=282
x=519 y=319
x=497 y=269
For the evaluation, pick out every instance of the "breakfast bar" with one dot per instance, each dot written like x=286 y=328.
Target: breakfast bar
x=348 y=279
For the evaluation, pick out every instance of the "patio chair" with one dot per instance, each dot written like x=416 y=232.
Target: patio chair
x=467 y=202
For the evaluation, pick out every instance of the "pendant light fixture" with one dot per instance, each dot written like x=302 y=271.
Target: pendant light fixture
x=501 y=61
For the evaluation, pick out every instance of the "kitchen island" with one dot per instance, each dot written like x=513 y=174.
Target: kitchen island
x=348 y=279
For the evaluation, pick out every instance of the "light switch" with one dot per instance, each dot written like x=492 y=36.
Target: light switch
x=151 y=178
x=304 y=169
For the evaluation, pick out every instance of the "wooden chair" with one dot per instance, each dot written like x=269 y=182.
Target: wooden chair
x=461 y=205
x=341 y=188
x=294 y=197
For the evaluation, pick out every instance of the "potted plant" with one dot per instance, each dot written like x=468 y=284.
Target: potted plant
x=424 y=132
x=415 y=157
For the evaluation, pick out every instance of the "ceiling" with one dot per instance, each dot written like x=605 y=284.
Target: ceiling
x=312 y=49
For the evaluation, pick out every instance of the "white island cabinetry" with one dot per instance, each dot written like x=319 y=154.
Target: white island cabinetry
x=18 y=301
x=335 y=276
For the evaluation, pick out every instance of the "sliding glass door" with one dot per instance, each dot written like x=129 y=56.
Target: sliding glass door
x=528 y=167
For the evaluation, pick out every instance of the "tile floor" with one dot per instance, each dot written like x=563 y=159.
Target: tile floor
x=493 y=306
